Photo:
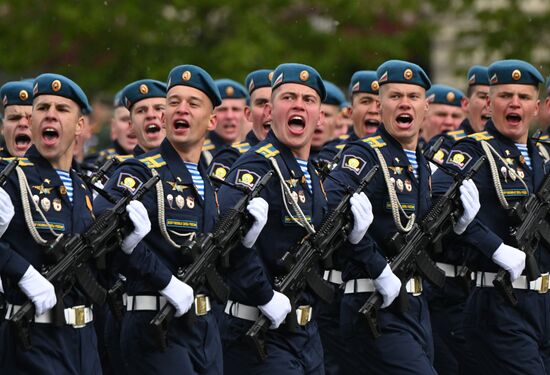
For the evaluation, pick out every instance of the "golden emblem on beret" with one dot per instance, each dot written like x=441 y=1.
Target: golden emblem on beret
x=408 y=74
x=270 y=76
x=186 y=76
x=143 y=89
x=516 y=75
x=450 y=96
x=56 y=85
x=23 y=95
x=304 y=75
x=374 y=85
x=229 y=91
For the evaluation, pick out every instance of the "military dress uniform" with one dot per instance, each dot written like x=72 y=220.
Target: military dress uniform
x=175 y=217
x=503 y=338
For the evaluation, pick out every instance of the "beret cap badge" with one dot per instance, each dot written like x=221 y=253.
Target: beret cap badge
x=186 y=76
x=143 y=88
x=56 y=85
x=408 y=74
x=450 y=96
x=516 y=74
x=23 y=95
x=374 y=85
x=229 y=90
x=304 y=75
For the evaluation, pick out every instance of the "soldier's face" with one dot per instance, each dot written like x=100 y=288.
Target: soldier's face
x=513 y=107
x=343 y=122
x=260 y=118
x=121 y=129
x=442 y=118
x=146 y=118
x=476 y=108
x=403 y=107
x=230 y=115
x=296 y=110
x=324 y=131
x=16 y=129
x=188 y=117
x=365 y=113
x=55 y=123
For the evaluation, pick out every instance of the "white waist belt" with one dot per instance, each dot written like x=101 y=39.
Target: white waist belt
x=450 y=269
x=252 y=313
x=333 y=276
x=485 y=279
x=413 y=286
x=76 y=316
x=154 y=303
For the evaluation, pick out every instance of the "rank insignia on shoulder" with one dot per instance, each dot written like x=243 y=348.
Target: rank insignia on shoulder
x=459 y=158
x=127 y=181
x=353 y=163
x=246 y=178
x=219 y=170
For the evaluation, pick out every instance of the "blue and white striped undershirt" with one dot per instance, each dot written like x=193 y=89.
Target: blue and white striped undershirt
x=411 y=155
x=196 y=176
x=303 y=167
x=523 y=149
x=66 y=179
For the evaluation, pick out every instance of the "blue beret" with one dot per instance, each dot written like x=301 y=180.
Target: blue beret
x=196 y=77
x=16 y=93
x=117 y=101
x=478 y=75
x=335 y=96
x=514 y=72
x=230 y=89
x=142 y=89
x=398 y=71
x=548 y=84
x=443 y=94
x=257 y=79
x=301 y=74
x=364 y=81
x=56 y=84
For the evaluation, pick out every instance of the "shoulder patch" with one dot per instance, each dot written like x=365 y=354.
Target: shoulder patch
x=219 y=170
x=208 y=145
x=267 y=151
x=246 y=178
x=128 y=181
x=457 y=134
x=375 y=142
x=459 y=158
x=241 y=147
x=481 y=136
x=440 y=155
x=154 y=161
x=353 y=163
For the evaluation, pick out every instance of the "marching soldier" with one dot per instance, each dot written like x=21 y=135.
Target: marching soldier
x=445 y=113
x=17 y=100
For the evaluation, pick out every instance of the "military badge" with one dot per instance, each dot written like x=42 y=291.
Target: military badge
x=294 y=196
x=63 y=190
x=180 y=202
x=170 y=200
x=459 y=159
x=408 y=185
x=36 y=199
x=219 y=171
x=189 y=200
x=56 y=85
x=56 y=204
x=520 y=173
x=42 y=190
x=292 y=182
x=399 y=184
x=127 y=181
x=176 y=187
x=353 y=163
x=439 y=156
x=89 y=204
x=229 y=91
x=512 y=174
x=143 y=89
x=304 y=75
x=302 y=196
x=246 y=178
x=23 y=95
x=45 y=203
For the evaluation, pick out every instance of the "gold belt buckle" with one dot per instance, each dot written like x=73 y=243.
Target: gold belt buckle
x=417 y=286
x=304 y=315
x=544 y=278
x=79 y=316
x=201 y=305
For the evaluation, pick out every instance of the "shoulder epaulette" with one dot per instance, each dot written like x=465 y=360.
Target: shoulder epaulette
x=122 y=158
x=375 y=142
x=481 y=136
x=457 y=134
x=23 y=162
x=544 y=138
x=340 y=146
x=343 y=137
x=241 y=147
x=154 y=161
x=267 y=151
x=208 y=145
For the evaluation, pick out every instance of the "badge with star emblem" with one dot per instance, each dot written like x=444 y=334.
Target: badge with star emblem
x=43 y=190
x=177 y=187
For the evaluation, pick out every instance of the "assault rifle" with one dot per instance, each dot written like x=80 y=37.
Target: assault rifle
x=411 y=248
x=70 y=256
x=7 y=170
x=302 y=263
x=205 y=250
x=530 y=215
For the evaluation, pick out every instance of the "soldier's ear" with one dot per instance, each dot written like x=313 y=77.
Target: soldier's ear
x=465 y=103
x=537 y=107
x=79 y=125
x=212 y=122
x=247 y=113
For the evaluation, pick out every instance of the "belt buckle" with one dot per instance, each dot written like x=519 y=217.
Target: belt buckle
x=417 y=286
x=544 y=279
x=201 y=305
x=304 y=315
x=79 y=316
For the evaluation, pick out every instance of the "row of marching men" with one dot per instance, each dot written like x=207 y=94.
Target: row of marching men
x=474 y=328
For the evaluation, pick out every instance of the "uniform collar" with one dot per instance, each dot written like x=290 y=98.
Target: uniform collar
x=401 y=159
x=252 y=139
x=138 y=151
x=216 y=139
x=287 y=156
x=505 y=142
x=465 y=125
x=118 y=148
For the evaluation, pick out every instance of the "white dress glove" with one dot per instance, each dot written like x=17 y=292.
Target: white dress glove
x=180 y=295
x=362 y=217
x=511 y=259
x=388 y=285
x=258 y=208
x=469 y=196
x=6 y=211
x=140 y=218
x=276 y=309
x=39 y=290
